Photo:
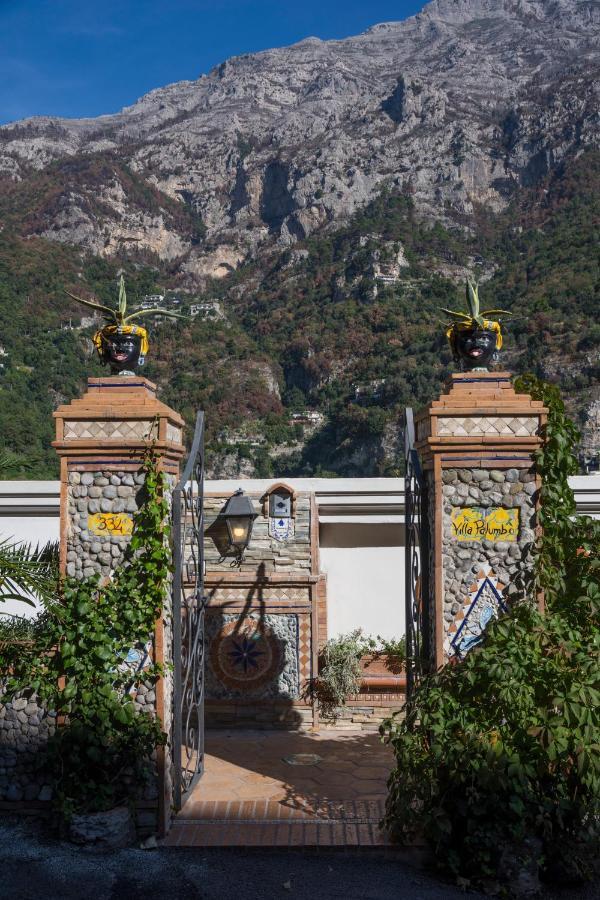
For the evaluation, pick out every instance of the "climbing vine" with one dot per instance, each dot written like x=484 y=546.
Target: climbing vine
x=102 y=754
x=498 y=758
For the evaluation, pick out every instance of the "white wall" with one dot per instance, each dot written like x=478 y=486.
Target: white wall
x=29 y=513
x=365 y=578
x=361 y=534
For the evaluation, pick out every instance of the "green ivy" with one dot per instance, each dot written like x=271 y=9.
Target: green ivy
x=102 y=755
x=498 y=757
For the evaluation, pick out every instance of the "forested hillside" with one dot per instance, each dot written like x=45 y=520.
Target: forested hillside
x=345 y=322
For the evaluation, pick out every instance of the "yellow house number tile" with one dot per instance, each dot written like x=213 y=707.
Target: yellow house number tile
x=110 y=523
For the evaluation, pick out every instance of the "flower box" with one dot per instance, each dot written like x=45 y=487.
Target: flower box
x=382 y=673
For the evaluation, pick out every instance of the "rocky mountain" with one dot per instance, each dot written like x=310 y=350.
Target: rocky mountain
x=460 y=106
x=330 y=196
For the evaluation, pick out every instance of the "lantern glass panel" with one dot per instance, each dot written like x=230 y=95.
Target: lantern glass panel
x=239 y=530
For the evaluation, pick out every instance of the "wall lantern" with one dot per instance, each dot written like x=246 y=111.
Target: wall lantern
x=238 y=515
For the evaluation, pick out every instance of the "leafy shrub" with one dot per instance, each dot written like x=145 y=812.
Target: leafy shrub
x=500 y=754
x=102 y=755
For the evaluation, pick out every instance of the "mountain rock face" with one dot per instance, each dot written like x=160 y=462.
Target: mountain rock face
x=461 y=106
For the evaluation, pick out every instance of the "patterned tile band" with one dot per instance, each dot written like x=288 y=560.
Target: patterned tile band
x=112 y=429
x=464 y=426
x=173 y=433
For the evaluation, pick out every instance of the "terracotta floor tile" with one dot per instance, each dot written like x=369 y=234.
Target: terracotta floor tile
x=247 y=779
x=369 y=787
x=172 y=837
x=282 y=835
x=375 y=772
x=247 y=809
x=274 y=808
x=365 y=838
x=337 y=778
x=269 y=835
x=350 y=835
x=257 y=791
x=324 y=835
x=338 y=835
x=260 y=809
x=296 y=835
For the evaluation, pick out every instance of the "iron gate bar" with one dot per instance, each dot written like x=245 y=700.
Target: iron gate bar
x=188 y=622
x=416 y=569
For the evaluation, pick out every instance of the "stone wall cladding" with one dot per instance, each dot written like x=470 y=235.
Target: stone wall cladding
x=463 y=560
x=25 y=726
x=95 y=492
x=276 y=557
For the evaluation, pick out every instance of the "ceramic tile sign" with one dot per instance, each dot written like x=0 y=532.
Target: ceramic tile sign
x=117 y=524
x=474 y=523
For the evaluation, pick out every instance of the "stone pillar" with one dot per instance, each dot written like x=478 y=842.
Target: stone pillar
x=476 y=444
x=101 y=439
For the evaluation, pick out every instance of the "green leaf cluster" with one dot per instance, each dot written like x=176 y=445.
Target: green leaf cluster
x=501 y=753
x=103 y=753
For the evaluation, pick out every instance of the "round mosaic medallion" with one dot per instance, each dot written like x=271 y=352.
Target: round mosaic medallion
x=245 y=655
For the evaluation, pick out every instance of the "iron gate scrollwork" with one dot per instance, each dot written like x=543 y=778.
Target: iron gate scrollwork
x=416 y=571
x=189 y=605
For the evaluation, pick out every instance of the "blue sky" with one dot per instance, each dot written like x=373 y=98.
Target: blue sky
x=87 y=57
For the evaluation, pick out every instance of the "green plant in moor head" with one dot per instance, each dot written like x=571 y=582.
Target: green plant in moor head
x=118 y=316
x=475 y=317
x=121 y=343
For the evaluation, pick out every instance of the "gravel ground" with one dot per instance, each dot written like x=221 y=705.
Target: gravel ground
x=34 y=866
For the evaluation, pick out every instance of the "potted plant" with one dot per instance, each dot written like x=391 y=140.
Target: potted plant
x=383 y=668
x=474 y=339
x=353 y=661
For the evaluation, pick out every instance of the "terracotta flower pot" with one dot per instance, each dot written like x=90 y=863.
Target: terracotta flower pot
x=382 y=673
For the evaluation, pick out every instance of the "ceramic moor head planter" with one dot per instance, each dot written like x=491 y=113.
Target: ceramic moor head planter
x=122 y=347
x=120 y=344
x=474 y=339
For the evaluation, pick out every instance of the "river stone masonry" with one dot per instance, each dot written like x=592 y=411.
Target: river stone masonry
x=25 y=727
x=510 y=562
x=89 y=493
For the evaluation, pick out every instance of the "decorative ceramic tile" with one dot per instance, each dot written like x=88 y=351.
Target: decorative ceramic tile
x=304 y=648
x=464 y=426
x=267 y=594
x=252 y=656
x=110 y=429
x=281 y=529
x=138 y=658
x=173 y=433
x=474 y=523
x=117 y=524
x=484 y=603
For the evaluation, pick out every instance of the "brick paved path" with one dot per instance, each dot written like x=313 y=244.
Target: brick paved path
x=251 y=795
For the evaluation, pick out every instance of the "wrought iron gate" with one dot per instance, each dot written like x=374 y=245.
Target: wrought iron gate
x=189 y=604
x=416 y=572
